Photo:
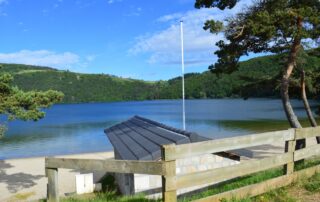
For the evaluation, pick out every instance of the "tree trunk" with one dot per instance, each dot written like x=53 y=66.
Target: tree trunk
x=306 y=103
x=292 y=118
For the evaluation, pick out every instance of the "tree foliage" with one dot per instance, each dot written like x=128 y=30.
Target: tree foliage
x=17 y=104
x=267 y=26
x=270 y=26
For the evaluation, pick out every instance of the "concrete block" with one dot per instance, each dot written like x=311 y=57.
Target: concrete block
x=84 y=183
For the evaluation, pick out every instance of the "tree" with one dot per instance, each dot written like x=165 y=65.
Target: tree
x=301 y=62
x=270 y=26
x=17 y=104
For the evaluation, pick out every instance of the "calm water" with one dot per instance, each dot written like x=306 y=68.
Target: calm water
x=78 y=128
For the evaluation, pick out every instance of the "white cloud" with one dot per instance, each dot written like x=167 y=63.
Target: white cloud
x=90 y=57
x=3 y=2
x=41 y=58
x=164 y=45
x=134 y=12
x=2 y=13
x=113 y=1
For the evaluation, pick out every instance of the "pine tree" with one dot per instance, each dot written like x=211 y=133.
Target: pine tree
x=17 y=104
x=270 y=26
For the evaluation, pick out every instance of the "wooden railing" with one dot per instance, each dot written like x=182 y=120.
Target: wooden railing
x=110 y=165
x=171 y=182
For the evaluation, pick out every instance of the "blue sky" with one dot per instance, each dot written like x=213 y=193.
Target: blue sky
x=128 y=38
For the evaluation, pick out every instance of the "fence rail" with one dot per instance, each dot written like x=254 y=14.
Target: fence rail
x=227 y=144
x=227 y=173
x=109 y=165
x=171 y=182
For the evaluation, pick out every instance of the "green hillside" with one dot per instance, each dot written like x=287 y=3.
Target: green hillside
x=79 y=87
x=258 y=77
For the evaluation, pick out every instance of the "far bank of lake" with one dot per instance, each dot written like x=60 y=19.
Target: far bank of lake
x=78 y=128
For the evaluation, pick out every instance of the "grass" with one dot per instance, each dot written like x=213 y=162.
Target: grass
x=308 y=186
x=24 y=196
x=279 y=195
x=305 y=190
x=236 y=183
x=313 y=184
x=251 y=179
x=108 y=196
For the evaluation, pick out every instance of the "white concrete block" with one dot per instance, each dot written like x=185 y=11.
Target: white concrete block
x=84 y=183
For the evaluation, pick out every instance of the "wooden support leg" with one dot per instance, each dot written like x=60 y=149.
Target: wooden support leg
x=290 y=147
x=52 y=188
x=169 y=192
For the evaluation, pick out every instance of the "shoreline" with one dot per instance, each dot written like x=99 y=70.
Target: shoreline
x=59 y=155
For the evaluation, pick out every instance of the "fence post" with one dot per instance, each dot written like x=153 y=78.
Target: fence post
x=290 y=148
x=169 y=192
x=52 y=187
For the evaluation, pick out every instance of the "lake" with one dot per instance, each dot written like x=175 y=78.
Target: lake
x=78 y=128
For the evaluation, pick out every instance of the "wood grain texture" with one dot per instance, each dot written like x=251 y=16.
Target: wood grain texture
x=230 y=172
x=52 y=187
x=109 y=165
x=307 y=132
x=227 y=144
x=289 y=148
x=169 y=180
x=307 y=152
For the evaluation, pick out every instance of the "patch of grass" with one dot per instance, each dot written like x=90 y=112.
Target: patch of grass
x=108 y=196
x=236 y=183
x=307 y=164
x=24 y=196
x=279 y=195
x=313 y=183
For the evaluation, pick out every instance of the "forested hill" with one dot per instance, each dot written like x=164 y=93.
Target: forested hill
x=79 y=87
x=258 y=77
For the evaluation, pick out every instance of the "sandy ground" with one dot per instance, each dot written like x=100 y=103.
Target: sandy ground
x=24 y=179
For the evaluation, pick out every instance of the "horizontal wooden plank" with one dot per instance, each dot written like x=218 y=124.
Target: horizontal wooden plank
x=263 y=187
x=307 y=152
x=109 y=165
x=227 y=144
x=230 y=172
x=307 y=132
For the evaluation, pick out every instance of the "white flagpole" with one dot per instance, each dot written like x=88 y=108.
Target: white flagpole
x=182 y=66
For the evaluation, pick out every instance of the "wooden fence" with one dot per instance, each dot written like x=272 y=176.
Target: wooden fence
x=171 y=182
